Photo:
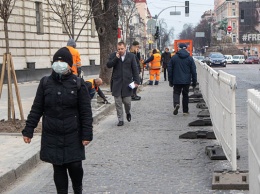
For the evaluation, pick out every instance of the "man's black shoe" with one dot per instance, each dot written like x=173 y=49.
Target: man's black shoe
x=120 y=123
x=136 y=97
x=128 y=117
x=175 y=111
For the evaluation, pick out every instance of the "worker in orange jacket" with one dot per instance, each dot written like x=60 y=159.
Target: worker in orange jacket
x=93 y=86
x=76 y=67
x=154 y=67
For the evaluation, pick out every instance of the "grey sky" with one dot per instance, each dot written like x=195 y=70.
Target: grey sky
x=197 y=8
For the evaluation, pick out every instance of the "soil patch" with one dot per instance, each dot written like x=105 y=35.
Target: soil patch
x=16 y=127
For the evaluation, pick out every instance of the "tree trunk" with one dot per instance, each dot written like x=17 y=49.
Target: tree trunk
x=6 y=37
x=106 y=21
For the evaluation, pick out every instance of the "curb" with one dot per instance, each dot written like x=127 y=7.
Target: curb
x=11 y=176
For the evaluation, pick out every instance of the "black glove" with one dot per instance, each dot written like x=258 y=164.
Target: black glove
x=194 y=85
x=106 y=102
x=79 y=71
x=170 y=84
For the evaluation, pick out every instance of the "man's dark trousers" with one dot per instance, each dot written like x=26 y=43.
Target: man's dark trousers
x=177 y=90
x=165 y=73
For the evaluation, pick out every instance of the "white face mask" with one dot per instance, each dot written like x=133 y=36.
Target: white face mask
x=60 y=67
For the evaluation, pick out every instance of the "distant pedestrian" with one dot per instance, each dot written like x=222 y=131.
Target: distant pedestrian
x=154 y=67
x=135 y=50
x=173 y=52
x=166 y=56
x=124 y=73
x=65 y=108
x=76 y=67
x=181 y=70
x=93 y=86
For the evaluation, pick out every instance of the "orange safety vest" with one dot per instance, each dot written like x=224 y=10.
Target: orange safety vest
x=76 y=59
x=156 y=62
x=93 y=84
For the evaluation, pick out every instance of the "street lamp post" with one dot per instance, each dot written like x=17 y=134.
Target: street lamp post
x=174 y=13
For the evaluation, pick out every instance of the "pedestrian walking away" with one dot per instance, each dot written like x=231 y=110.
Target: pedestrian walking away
x=65 y=108
x=181 y=70
x=76 y=66
x=166 y=56
x=135 y=50
x=154 y=67
x=124 y=79
x=93 y=86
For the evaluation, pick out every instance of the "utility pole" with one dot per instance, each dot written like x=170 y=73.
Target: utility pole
x=157 y=35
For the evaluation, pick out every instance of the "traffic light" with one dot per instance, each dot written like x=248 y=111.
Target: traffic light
x=187 y=8
x=156 y=35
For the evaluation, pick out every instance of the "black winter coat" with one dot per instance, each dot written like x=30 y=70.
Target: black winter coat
x=66 y=119
x=166 y=57
x=182 y=69
x=124 y=72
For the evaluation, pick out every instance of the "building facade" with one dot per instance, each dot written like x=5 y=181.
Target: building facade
x=243 y=16
x=35 y=35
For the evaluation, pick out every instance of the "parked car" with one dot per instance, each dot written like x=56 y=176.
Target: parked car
x=215 y=59
x=238 y=59
x=252 y=60
x=200 y=58
x=229 y=59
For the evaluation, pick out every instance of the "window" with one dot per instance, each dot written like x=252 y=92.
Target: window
x=234 y=38
x=234 y=25
x=39 y=17
x=233 y=12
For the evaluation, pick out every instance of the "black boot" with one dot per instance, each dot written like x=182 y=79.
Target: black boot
x=156 y=83
x=77 y=190
x=150 y=82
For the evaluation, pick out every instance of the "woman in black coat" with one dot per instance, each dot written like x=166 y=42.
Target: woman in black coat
x=63 y=102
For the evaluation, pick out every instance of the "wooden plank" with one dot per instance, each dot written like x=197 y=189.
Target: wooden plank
x=11 y=109
x=16 y=89
x=2 y=74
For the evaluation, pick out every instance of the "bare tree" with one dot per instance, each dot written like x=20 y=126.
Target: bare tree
x=127 y=10
x=6 y=8
x=165 y=35
x=203 y=26
x=105 y=14
x=70 y=13
x=187 y=32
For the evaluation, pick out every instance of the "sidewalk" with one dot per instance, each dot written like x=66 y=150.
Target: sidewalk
x=16 y=156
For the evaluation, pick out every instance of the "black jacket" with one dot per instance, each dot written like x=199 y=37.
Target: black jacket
x=66 y=119
x=124 y=72
x=182 y=69
x=166 y=57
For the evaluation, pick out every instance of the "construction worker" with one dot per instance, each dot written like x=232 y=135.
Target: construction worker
x=93 y=87
x=76 y=67
x=154 y=66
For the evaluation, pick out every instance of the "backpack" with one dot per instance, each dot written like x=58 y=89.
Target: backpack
x=45 y=80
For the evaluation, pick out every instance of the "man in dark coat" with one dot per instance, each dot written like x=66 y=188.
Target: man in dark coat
x=181 y=70
x=135 y=50
x=166 y=56
x=66 y=114
x=124 y=73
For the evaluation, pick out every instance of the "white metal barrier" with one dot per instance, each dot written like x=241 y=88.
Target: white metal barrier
x=253 y=106
x=218 y=90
